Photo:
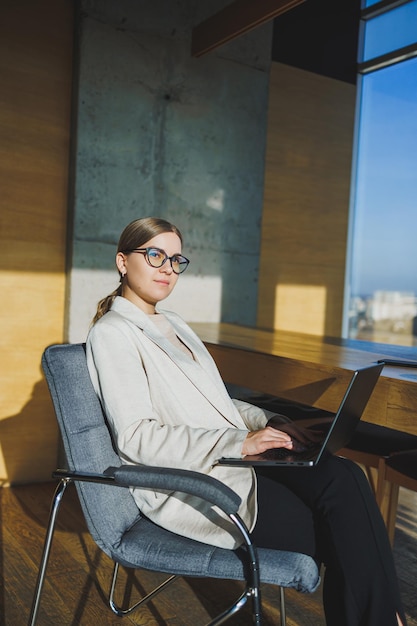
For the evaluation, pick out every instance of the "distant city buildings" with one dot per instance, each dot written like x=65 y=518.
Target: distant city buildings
x=385 y=316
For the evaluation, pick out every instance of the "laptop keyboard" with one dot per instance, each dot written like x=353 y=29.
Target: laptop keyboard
x=276 y=454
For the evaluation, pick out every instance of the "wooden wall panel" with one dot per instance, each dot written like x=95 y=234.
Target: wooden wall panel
x=35 y=102
x=306 y=202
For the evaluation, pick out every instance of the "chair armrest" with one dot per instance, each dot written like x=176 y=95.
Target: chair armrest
x=168 y=479
x=87 y=477
x=162 y=478
x=186 y=481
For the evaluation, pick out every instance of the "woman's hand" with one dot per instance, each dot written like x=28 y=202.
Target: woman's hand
x=259 y=441
x=301 y=432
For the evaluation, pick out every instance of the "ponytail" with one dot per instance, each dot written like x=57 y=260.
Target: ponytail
x=105 y=304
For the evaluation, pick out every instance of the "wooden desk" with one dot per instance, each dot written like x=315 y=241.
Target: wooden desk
x=313 y=370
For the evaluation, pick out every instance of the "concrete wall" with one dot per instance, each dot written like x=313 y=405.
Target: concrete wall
x=161 y=133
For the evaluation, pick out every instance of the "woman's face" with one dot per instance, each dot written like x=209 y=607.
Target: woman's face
x=143 y=284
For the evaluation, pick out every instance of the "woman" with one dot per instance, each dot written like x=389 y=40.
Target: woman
x=167 y=406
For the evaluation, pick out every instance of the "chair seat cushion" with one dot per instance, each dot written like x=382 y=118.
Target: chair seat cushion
x=148 y=546
x=404 y=462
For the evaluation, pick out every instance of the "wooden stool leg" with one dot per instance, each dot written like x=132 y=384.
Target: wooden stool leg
x=387 y=500
x=372 y=475
x=392 y=514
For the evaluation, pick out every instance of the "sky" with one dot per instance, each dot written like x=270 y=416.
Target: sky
x=384 y=252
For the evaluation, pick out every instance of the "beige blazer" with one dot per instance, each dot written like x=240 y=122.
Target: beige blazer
x=166 y=409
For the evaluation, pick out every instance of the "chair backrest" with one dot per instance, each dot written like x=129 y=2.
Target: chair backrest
x=88 y=446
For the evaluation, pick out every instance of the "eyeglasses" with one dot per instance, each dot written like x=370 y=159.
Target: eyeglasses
x=157 y=257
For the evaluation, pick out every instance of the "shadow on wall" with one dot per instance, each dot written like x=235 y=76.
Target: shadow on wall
x=29 y=440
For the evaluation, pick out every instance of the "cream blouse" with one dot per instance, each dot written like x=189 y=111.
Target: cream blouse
x=166 y=329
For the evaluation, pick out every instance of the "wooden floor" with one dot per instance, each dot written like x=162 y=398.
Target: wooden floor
x=78 y=573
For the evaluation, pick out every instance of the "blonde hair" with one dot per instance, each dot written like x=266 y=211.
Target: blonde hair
x=135 y=235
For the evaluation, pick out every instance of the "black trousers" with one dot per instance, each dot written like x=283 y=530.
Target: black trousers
x=330 y=513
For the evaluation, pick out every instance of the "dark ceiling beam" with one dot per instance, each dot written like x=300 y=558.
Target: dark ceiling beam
x=234 y=20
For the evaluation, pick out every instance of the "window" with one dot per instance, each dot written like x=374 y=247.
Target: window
x=390 y=31
x=382 y=274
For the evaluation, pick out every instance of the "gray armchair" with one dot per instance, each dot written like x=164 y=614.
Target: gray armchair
x=115 y=522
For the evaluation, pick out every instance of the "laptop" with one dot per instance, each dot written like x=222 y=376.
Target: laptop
x=327 y=441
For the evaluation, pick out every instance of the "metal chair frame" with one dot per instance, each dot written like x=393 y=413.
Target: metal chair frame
x=92 y=458
x=251 y=591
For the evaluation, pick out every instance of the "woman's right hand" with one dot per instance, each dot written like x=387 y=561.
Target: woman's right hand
x=259 y=441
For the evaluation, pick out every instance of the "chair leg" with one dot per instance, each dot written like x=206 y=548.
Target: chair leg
x=240 y=603
x=257 y=616
x=282 y=606
x=56 y=502
x=121 y=612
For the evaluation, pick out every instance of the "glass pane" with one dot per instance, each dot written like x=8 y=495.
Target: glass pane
x=383 y=304
x=390 y=31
